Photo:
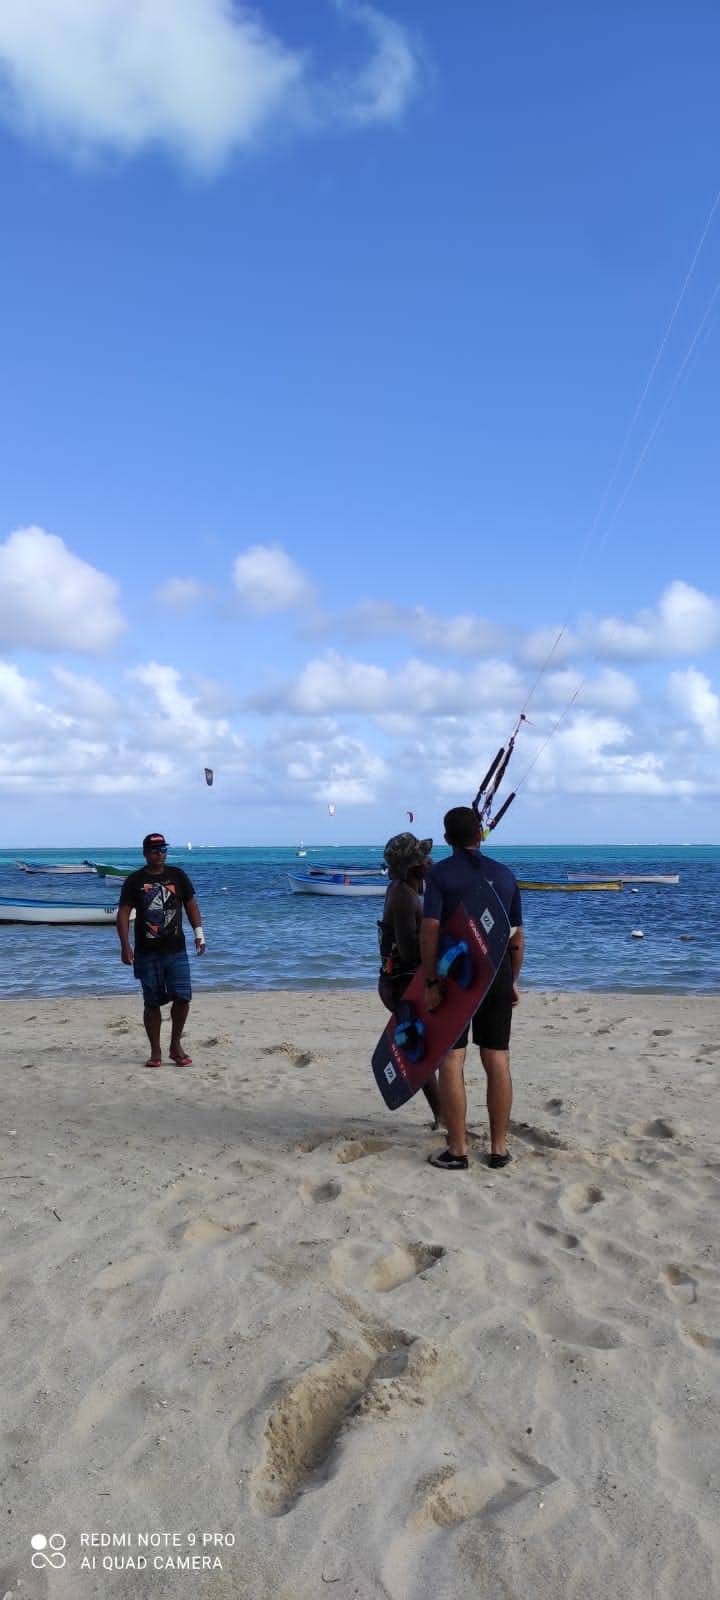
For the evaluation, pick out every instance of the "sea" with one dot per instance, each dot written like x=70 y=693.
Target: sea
x=261 y=936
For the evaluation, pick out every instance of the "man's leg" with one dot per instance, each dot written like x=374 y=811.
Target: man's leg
x=152 y=1017
x=431 y=1093
x=178 y=1017
x=499 y=1096
x=453 y=1100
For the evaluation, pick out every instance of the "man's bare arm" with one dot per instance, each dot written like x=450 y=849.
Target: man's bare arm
x=195 y=920
x=517 y=956
x=122 y=924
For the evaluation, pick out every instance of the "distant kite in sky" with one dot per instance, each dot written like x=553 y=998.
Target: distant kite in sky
x=209 y=775
x=411 y=815
x=331 y=809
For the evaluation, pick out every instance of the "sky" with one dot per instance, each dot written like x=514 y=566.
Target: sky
x=360 y=391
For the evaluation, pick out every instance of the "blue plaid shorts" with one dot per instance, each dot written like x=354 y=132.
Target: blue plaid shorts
x=164 y=976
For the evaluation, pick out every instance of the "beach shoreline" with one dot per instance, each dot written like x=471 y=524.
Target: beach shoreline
x=241 y=1303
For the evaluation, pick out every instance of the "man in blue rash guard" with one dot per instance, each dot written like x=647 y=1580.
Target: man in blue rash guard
x=447 y=883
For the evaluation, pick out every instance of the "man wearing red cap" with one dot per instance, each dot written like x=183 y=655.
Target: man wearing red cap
x=158 y=893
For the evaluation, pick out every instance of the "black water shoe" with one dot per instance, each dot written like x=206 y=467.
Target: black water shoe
x=447 y=1162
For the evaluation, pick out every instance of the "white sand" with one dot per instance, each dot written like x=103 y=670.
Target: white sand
x=241 y=1303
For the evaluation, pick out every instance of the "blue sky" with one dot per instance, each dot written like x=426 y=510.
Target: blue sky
x=322 y=330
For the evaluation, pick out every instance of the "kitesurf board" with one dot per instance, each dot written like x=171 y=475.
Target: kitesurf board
x=480 y=924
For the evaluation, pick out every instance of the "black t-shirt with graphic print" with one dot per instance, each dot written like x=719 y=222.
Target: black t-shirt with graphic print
x=158 y=898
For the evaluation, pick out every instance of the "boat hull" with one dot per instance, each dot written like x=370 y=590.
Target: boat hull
x=73 y=869
x=327 y=887
x=580 y=886
x=628 y=877
x=58 y=912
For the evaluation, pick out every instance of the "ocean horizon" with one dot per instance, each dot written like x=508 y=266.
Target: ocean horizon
x=261 y=936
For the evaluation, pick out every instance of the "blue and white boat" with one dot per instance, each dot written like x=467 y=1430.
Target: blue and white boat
x=58 y=869
x=13 y=909
x=343 y=881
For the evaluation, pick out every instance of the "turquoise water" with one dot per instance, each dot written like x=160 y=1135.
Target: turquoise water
x=262 y=936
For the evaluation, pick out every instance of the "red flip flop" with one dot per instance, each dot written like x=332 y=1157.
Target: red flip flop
x=155 y=1061
x=180 y=1059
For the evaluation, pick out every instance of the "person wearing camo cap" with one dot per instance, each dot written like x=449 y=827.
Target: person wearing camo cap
x=399 y=930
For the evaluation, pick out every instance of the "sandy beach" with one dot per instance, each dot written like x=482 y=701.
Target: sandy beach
x=243 y=1310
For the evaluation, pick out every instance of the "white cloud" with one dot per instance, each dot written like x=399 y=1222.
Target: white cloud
x=84 y=697
x=151 y=737
x=381 y=90
x=334 y=683
x=330 y=767
x=200 y=78
x=583 y=755
x=19 y=704
x=174 y=716
x=465 y=634
x=587 y=755
x=549 y=645
x=684 y=622
x=159 y=728
x=181 y=594
x=267 y=579
x=692 y=695
x=52 y=600
x=610 y=690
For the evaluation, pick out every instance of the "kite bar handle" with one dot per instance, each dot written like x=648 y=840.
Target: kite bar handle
x=495 y=820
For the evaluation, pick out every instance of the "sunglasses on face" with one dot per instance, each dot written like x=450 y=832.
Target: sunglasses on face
x=157 y=849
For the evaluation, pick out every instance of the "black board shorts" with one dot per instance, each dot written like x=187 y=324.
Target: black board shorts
x=492 y=1021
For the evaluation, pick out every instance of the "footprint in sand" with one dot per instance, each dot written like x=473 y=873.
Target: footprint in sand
x=362 y=1147
x=141 y=1268
x=304 y=1423
x=556 y=1104
x=541 y=1139
x=582 y=1197
x=567 y=1241
x=702 y=1341
x=569 y=1327
x=403 y=1264
x=207 y=1230
x=453 y=1496
x=127 y=1288
x=318 y=1193
x=659 y=1128
x=299 y=1058
x=118 y=1418
x=313 y=1141
x=679 y=1284
x=617 y=1257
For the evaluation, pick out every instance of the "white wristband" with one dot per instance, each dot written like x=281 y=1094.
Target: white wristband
x=199 y=936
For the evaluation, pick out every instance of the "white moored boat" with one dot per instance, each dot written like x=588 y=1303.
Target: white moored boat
x=58 y=911
x=68 y=869
x=351 y=881
x=626 y=877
